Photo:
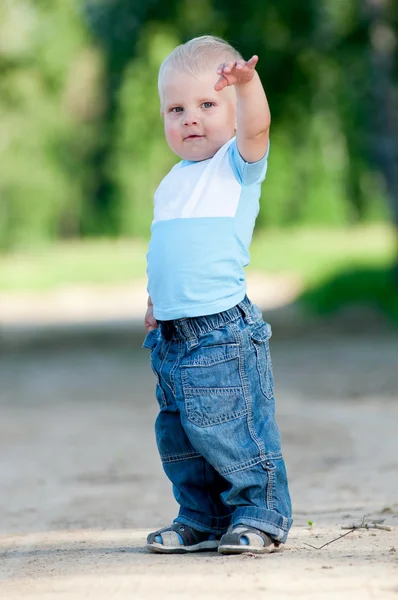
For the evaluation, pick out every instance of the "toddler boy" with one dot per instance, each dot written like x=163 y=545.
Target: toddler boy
x=216 y=432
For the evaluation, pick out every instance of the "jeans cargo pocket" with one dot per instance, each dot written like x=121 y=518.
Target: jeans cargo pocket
x=212 y=385
x=150 y=341
x=260 y=338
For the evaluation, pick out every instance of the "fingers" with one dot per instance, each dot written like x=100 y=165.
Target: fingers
x=253 y=61
x=226 y=67
x=221 y=82
x=238 y=71
x=237 y=64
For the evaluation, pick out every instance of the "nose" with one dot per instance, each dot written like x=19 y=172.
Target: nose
x=190 y=118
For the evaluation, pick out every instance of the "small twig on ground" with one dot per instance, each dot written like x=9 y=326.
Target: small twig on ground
x=331 y=541
x=372 y=524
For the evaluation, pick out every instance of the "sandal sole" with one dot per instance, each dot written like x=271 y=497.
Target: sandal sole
x=241 y=549
x=202 y=547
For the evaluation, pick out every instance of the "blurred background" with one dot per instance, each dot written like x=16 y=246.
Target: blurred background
x=82 y=148
x=81 y=153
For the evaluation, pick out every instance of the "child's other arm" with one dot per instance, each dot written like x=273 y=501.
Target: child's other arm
x=253 y=114
x=150 y=321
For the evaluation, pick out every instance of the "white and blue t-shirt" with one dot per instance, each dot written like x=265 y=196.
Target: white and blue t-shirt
x=204 y=217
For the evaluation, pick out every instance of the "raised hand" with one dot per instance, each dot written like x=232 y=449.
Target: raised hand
x=235 y=73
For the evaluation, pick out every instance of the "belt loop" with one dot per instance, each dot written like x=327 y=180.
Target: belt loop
x=245 y=307
x=189 y=333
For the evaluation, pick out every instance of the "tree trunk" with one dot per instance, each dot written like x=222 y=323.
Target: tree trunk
x=383 y=101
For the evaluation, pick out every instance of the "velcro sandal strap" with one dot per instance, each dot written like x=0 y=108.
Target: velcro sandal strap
x=255 y=537
x=172 y=535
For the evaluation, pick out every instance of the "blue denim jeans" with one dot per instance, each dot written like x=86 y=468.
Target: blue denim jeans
x=216 y=430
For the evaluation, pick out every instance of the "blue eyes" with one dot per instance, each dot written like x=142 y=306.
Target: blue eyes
x=179 y=109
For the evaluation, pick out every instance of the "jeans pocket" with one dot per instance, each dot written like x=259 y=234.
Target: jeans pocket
x=260 y=339
x=212 y=385
x=151 y=341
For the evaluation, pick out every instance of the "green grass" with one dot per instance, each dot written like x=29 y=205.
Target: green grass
x=317 y=255
x=339 y=268
x=313 y=255
x=75 y=263
x=375 y=288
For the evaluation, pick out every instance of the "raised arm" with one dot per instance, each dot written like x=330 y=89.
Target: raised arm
x=253 y=114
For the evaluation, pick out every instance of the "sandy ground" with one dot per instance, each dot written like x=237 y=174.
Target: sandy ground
x=85 y=303
x=82 y=483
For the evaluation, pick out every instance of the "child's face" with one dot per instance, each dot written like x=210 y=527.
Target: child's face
x=197 y=119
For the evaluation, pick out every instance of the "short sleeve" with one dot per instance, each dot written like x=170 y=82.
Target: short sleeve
x=247 y=173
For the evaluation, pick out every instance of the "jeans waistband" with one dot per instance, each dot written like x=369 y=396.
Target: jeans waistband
x=190 y=328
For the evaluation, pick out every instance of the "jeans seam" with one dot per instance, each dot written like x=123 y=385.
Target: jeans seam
x=180 y=457
x=158 y=376
x=283 y=526
x=174 y=368
x=167 y=351
x=162 y=363
x=212 y=422
x=252 y=462
x=270 y=490
x=262 y=357
x=247 y=397
x=206 y=364
x=162 y=404
x=192 y=392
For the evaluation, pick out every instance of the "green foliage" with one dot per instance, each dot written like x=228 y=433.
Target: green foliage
x=141 y=157
x=82 y=147
x=37 y=47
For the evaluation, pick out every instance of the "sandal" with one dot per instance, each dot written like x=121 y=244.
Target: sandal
x=179 y=539
x=243 y=538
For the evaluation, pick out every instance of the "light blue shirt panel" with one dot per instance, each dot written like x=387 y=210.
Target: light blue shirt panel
x=247 y=173
x=196 y=265
x=207 y=275
x=251 y=176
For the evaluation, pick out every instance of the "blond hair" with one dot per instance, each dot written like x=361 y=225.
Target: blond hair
x=196 y=55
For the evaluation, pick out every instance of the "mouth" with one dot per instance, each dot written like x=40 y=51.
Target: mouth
x=193 y=137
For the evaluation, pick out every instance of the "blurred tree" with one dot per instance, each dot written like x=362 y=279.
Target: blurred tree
x=82 y=138
x=37 y=42
x=115 y=25
x=308 y=154
x=380 y=17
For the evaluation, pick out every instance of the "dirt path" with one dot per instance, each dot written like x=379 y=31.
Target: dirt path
x=82 y=484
